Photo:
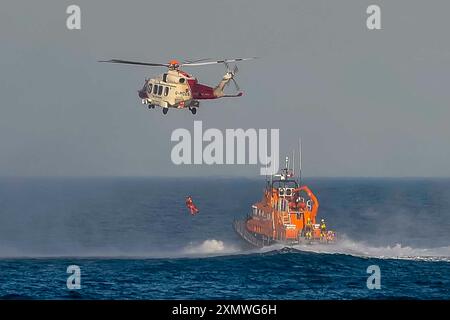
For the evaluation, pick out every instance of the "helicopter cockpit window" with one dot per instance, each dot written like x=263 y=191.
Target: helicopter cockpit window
x=149 y=88
x=181 y=80
x=160 y=89
x=155 y=89
x=166 y=91
x=165 y=77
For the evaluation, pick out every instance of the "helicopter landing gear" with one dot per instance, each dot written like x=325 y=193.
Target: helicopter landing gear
x=165 y=110
x=151 y=106
x=194 y=105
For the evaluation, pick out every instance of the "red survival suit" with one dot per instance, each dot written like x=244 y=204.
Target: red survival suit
x=191 y=206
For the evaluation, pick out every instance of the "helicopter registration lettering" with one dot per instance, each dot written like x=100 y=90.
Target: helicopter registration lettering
x=181 y=93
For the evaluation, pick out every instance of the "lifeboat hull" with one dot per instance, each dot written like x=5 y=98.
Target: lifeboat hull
x=259 y=241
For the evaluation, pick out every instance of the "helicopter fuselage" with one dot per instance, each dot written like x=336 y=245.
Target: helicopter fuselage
x=177 y=89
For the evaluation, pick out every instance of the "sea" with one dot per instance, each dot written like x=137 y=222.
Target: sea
x=134 y=238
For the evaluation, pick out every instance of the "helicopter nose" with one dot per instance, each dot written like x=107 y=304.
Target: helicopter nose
x=142 y=94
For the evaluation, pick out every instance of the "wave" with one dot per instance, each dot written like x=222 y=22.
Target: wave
x=345 y=246
x=348 y=246
x=210 y=247
x=206 y=248
x=214 y=247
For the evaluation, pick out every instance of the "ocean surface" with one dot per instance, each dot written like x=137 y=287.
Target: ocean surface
x=133 y=238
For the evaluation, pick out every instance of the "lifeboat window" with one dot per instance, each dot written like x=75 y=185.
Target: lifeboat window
x=155 y=89
x=166 y=91
x=181 y=80
x=149 y=88
x=160 y=89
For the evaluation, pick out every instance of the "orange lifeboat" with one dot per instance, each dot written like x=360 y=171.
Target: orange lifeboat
x=286 y=214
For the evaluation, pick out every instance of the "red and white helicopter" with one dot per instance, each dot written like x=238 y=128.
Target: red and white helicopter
x=177 y=89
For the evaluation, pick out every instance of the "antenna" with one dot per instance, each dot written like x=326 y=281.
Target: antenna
x=293 y=164
x=300 y=160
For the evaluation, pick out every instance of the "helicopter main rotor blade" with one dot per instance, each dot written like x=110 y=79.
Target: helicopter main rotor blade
x=136 y=63
x=196 y=60
x=216 y=62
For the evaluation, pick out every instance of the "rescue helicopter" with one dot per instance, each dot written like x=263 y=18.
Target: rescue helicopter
x=178 y=89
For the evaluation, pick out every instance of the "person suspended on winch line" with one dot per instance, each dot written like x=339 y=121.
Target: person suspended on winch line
x=191 y=206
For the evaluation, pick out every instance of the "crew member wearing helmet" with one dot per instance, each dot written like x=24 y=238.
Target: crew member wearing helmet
x=323 y=228
x=308 y=228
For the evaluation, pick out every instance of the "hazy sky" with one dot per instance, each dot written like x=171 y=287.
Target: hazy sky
x=366 y=103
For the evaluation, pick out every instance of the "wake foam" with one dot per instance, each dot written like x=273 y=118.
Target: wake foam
x=214 y=247
x=209 y=247
x=348 y=246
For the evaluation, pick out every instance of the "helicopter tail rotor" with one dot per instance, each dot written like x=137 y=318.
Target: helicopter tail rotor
x=231 y=74
x=236 y=85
